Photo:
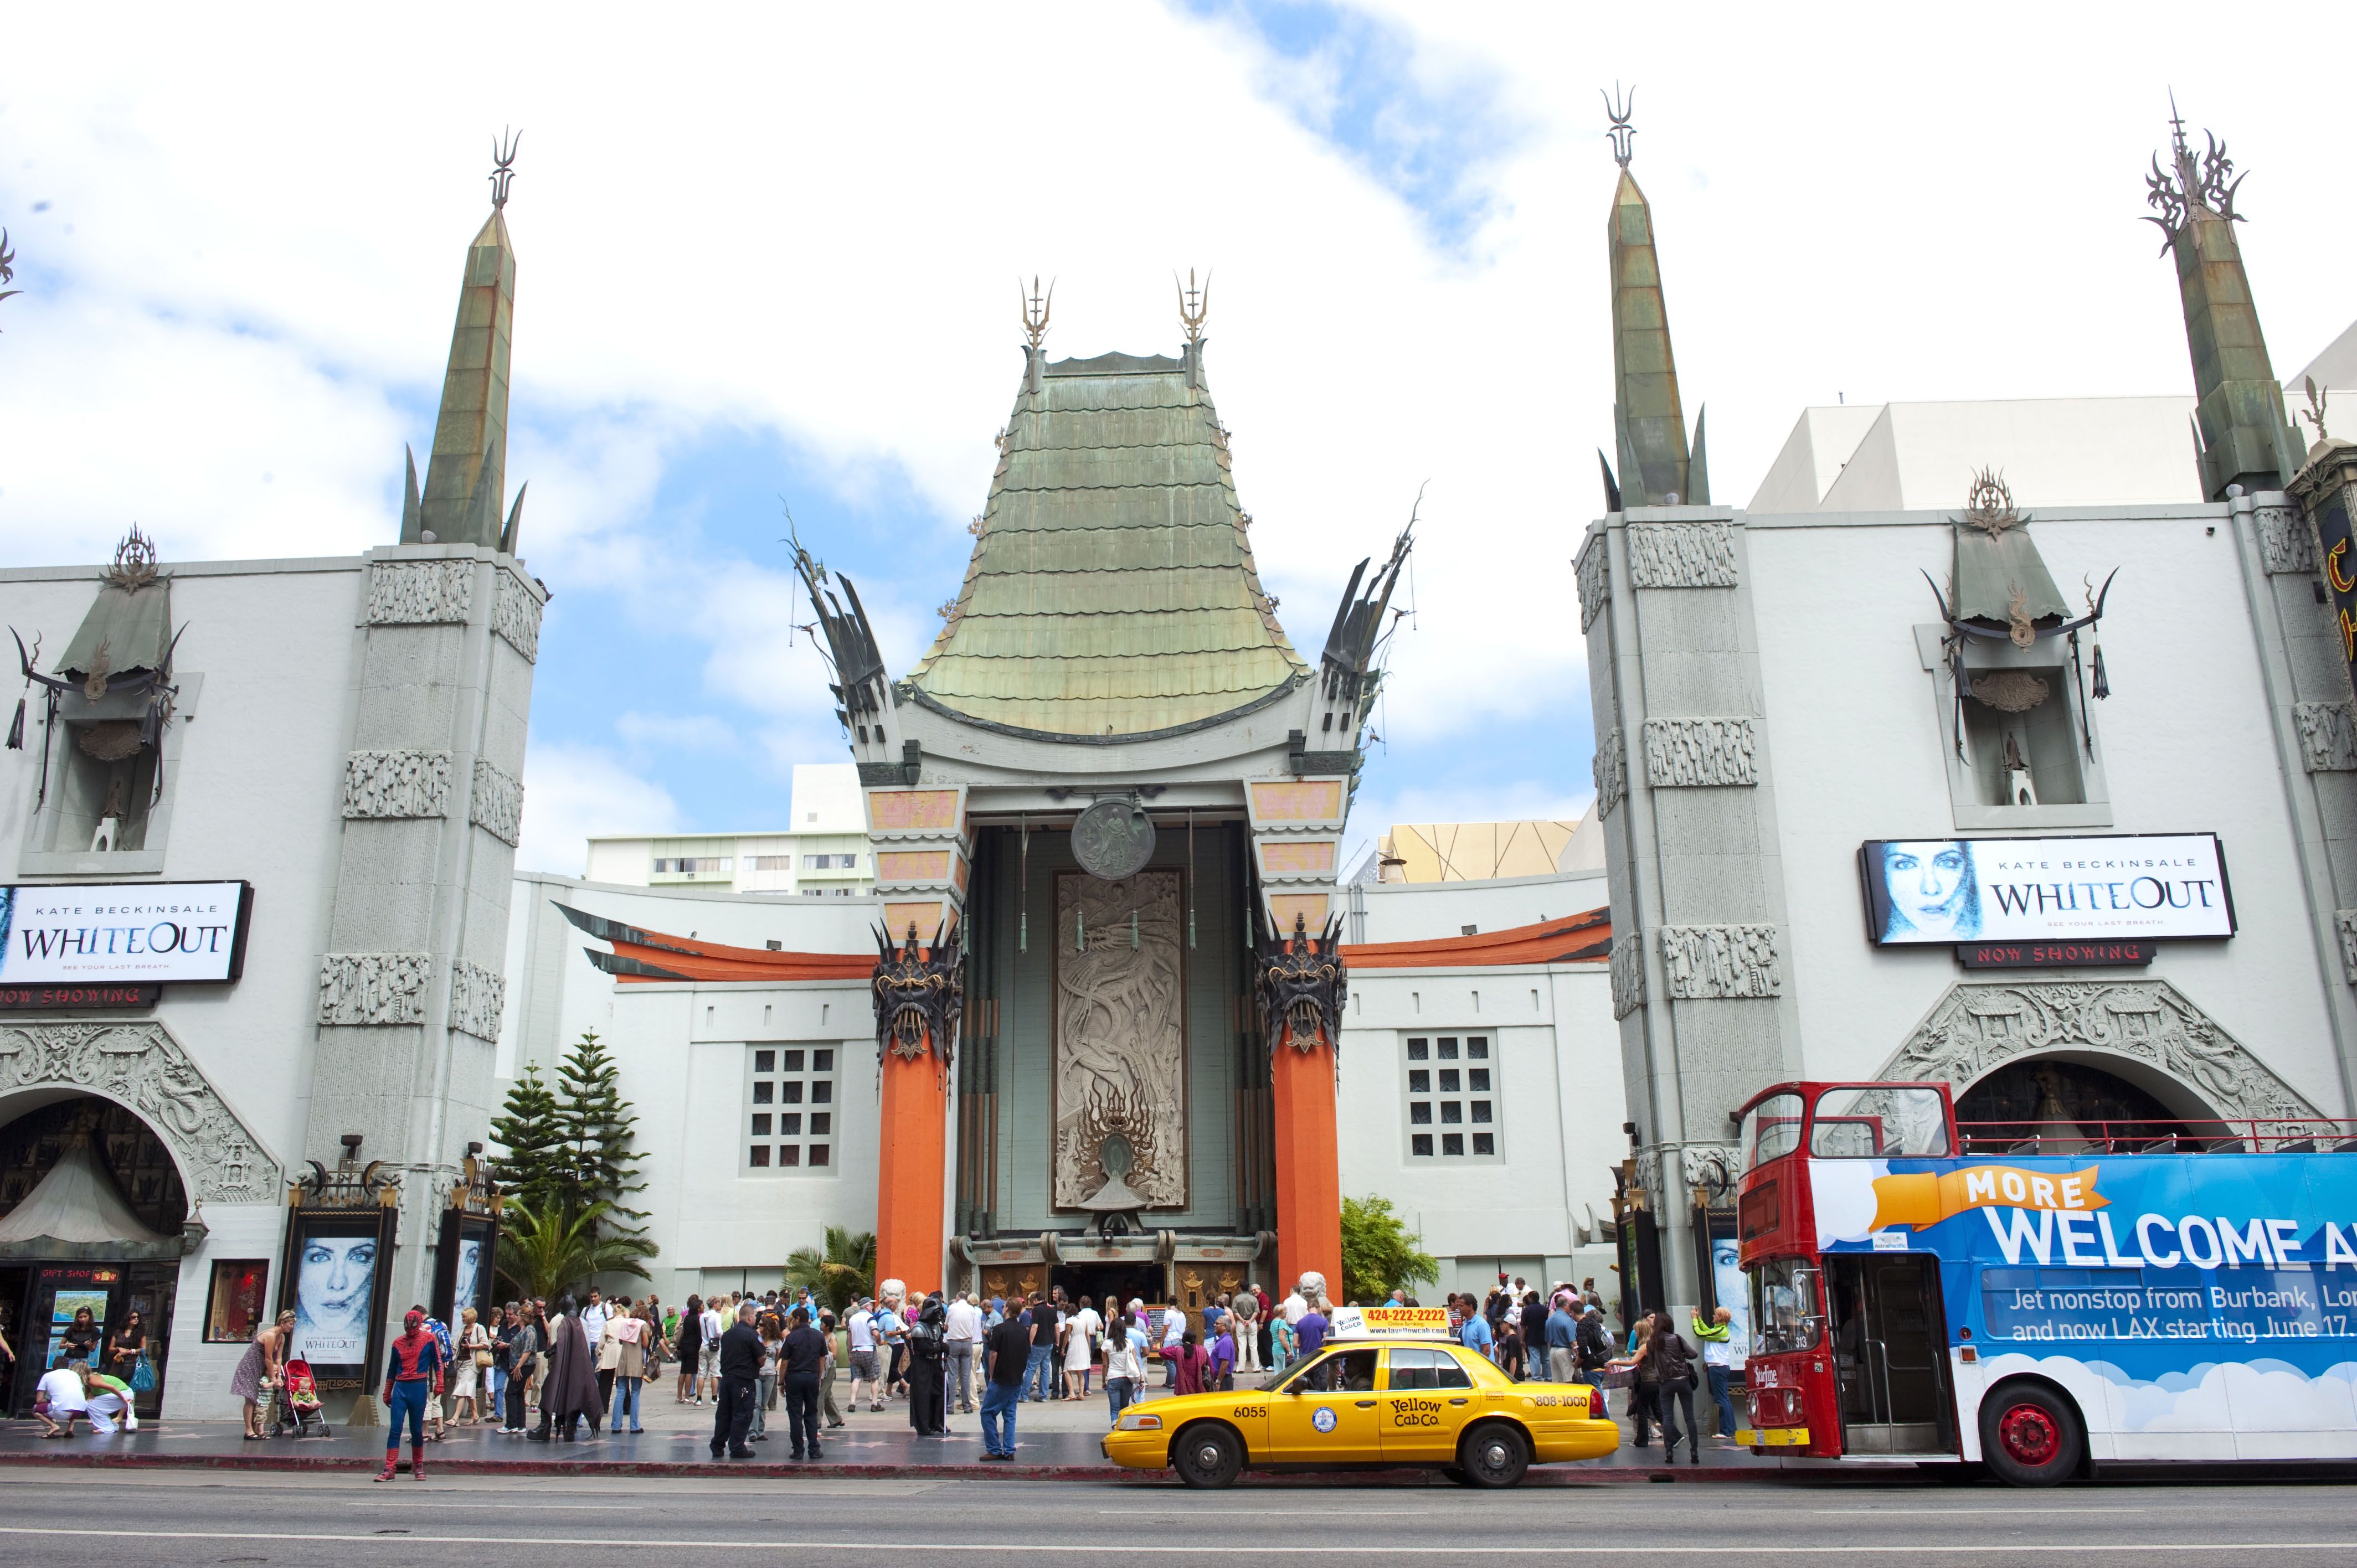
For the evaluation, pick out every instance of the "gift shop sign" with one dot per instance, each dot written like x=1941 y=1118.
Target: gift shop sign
x=124 y=933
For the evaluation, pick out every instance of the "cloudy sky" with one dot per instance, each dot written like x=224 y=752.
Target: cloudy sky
x=767 y=254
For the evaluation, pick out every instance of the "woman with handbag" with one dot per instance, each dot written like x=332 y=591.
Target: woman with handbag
x=474 y=1354
x=125 y=1346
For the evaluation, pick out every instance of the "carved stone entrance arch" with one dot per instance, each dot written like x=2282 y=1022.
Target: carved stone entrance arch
x=139 y=1065
x=1979 y=1027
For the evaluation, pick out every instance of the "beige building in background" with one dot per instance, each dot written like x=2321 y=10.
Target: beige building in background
x=1483 y=851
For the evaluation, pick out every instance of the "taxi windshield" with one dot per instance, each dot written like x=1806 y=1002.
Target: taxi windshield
x=1333 y=1371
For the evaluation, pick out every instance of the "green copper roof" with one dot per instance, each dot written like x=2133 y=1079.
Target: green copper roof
x=1111 y=589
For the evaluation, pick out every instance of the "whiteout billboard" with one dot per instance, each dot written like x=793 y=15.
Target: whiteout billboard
x=183 y=932
x=2156 y=888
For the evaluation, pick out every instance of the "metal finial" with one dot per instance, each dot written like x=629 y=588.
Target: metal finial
x=503 y=151
x=1192 y=308
x=1035 y=308
x=1622 y=130
x=8 y=265
x=2191 y=184
x=2314 y=414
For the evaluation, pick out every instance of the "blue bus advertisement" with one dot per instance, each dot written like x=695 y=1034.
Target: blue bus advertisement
x=2192 y=1306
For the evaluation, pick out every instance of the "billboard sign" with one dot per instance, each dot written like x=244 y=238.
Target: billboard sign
x=124 y=933
x=2120 y=888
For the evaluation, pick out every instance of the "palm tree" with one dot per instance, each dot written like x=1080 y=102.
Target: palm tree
x=543 y=1252
x=840 y=1275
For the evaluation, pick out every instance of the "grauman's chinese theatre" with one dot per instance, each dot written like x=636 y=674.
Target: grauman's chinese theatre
x=1107 y=807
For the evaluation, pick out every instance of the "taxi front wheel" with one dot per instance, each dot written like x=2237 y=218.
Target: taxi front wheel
x=1494 y=1454
x=1207 y=1454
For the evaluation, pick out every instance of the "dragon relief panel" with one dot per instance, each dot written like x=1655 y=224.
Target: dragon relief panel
x=1121 y=1042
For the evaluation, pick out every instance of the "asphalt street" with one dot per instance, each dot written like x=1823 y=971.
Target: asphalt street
x=335 y=1522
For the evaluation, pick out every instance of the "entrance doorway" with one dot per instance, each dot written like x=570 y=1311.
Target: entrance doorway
x=1101 y=1283
x=2046 y=1105
x=1890 y=1354
x=112 y=1173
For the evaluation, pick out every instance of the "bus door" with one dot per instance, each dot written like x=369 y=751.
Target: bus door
x=1889 y=1337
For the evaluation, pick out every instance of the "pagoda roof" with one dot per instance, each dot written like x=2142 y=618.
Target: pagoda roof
x=1111 y=590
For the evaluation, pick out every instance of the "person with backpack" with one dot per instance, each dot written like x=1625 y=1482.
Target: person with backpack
x=1592 y=1349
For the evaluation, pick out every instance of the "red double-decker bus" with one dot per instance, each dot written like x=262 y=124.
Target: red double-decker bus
x=2041 y=1298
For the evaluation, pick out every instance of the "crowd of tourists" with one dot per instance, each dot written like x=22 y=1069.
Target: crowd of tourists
x=542 y=1370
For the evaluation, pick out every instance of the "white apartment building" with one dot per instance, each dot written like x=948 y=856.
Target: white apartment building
x=823 y=852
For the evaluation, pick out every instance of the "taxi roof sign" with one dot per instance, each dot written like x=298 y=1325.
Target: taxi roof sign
x=1390 y=1323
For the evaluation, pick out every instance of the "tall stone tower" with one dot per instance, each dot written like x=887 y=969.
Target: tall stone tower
x=448 y=622
x=1682 y=783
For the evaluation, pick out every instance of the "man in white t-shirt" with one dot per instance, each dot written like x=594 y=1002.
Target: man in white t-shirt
x=62 y=1387
x=962 y=1328
x=861 y=1326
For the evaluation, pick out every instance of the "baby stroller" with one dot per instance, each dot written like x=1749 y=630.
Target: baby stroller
x=298 y=1402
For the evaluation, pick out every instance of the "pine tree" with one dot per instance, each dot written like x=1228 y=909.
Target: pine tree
x=597 y=1126
x=535 y=1158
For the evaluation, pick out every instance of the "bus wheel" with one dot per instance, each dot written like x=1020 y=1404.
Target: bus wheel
x=2030 y=1435
x=1207 y=1454
x=1494 y=1454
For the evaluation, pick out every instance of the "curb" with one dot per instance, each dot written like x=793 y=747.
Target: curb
x=1546 y=1476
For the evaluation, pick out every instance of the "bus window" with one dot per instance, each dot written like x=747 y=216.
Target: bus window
x=1883 y=1123
x=1772 y=1129
x=1784 y=1306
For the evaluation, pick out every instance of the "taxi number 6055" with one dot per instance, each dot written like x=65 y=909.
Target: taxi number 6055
x=1247 y=1412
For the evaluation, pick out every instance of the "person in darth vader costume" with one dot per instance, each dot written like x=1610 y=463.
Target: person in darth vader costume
x=928 y=1353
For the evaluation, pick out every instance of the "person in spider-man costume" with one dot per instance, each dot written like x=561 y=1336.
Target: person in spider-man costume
x=413 y=1369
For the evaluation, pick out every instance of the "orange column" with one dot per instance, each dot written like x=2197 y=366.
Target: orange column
x=911 y=1164
x=1309 y=1167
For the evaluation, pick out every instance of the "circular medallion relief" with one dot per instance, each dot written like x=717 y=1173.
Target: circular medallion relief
x=1113 y=839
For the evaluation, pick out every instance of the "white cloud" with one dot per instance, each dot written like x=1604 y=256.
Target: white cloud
x=573 y=792
x=806 y=223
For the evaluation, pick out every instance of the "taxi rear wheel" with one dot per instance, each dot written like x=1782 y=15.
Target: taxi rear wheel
x=1207 y=1454
x=1494 y=1454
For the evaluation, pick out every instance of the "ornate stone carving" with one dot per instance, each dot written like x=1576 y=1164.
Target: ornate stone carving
x=397 y=783
x=1611 y=771
x=1680 y=554
x=1978 y=1028
x=2285 y=541
x=495 y=804
x=478 y=997
x=1120 y=1049
x=1595 y=570
x=515 y=615
x=2346 y=922
x=920 y=994
x=374 y=987
x=1713 y=1168
x=1689 y=752
x=140 y=1065
x=1628 y=973
x=1720 y=962
x=2328 y=736
x=420 y=593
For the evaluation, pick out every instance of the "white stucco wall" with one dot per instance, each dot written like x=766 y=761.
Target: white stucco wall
x=255 y=796
x=1856 y=744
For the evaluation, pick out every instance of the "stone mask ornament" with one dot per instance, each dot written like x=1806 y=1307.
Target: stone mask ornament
x=919 y=992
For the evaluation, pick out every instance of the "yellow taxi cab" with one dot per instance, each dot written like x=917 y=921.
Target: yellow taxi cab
x=1390 y=1388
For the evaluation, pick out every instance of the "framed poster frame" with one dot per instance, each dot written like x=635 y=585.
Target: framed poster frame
x=459 y=1230
x=376 y=1222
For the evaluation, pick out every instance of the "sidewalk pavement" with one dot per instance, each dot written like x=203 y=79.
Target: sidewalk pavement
x=1056 y=1440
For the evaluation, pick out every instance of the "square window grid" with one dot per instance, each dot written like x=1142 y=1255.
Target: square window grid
x=794 y=1076
x=1444 y=1083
